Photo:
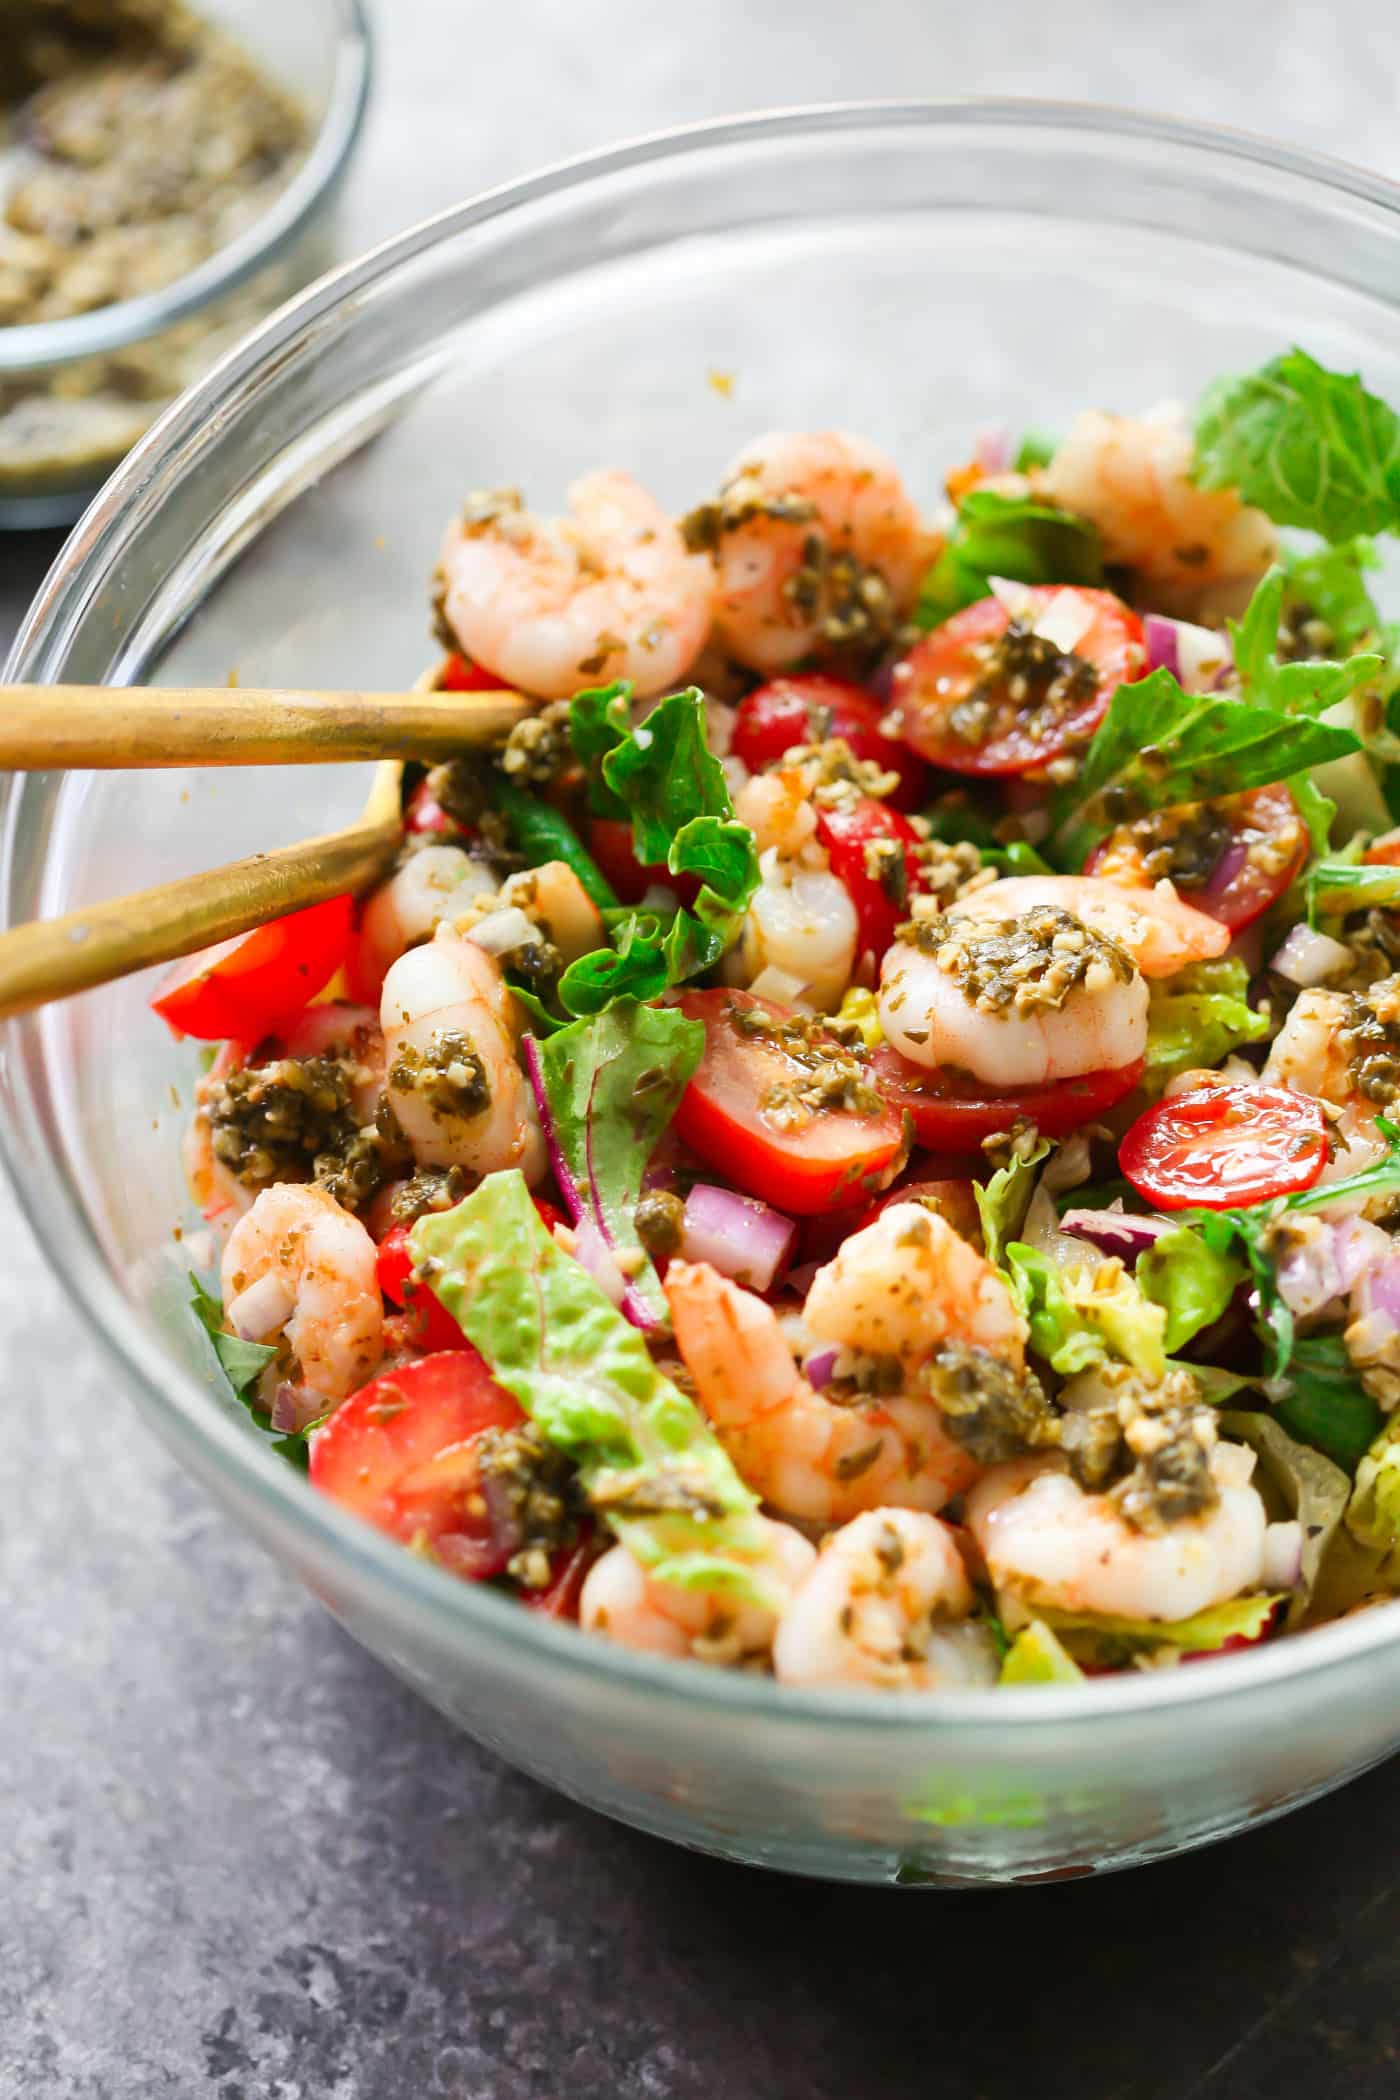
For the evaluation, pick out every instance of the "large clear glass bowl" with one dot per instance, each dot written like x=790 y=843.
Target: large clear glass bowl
x=913 y=272
x=112 y=367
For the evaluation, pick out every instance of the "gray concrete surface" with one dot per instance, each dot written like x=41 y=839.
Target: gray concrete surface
x=236 y=1859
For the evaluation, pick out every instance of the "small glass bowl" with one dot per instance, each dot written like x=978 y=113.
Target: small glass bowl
x=911 y=271
x=320 y=50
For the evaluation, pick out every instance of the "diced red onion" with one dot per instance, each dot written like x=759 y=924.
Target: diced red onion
x=474 y=1559
x=1325 y=1258
x=800 y=1278
x=1018 y=599
x=263 y=1309
x=993 y=449
x=778 y=985
x=1283 y=1556
x=1378 y=1290
x=818 y=1367
x=1117 y=1232
x=1222 y=875
x=1195 y=656
x=1065 y=620
x=1309 y=958
x=737 y=1235
x=503 y=931
x=295 y=1408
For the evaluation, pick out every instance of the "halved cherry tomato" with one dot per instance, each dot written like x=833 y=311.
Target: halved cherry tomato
x=832 y=1160
x=847 y=831
x=456 y=674
x=942 y=674
x=559 y=1597
x=1384 y=852
x=1219 y=1146
x=550 y=1213
x=400 y=1454
x=243 y=987
x=953 y=1112
x=610 y=843
x=431 y=1324
x=423 y=813
x=1262 y=843
x=789 y=711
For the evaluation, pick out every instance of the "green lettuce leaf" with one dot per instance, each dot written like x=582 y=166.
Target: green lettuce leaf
x=1002 y=1201
x=1307 y=446
x=1304 y=1484
x=1198 y=1017
x=613 y=1084
x=1337 y=885
x=1239 y=1617
x=1291 y=688
x=1192 y=1282
x=1317 y=810
x=1017 y=537
x=1019 y=858
x=242 y=1364
x=1320 y=1400
x=1373 y=1512
x=599 y=720
x=1037 y=1656
x=1036 y=449
x=1329 y=583
x=650 y=1463
x=1076 y=1322
x=1158 y=746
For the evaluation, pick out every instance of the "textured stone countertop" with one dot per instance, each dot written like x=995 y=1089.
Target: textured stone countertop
x=236 y=1858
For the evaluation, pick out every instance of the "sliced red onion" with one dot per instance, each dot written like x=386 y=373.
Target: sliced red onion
x=295 y=1408
x=737 y=1235
x=818 y=1367
x=993 y=449
x=263 y=1309
x=1225 y=872
x=1283 y=1556
x=1117 y=1232
x=1195 y=656
x=1309 y=958
x=1325 y=1258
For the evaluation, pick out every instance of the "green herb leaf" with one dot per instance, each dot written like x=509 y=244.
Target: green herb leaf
x=1013 y=536
x=539 y=832
x=1158 y=746
x=650 y=1463
x=1019 y=858
x=1322 y=1402
x=1337 y=885
x=1316 y=810
x=1036 y=449
x=1305 y=1484
x=599 y=720
x=1327 y=583
x=1197 y=1017
x=1075 y=1322
x=1306 y=688
x=1307 y=446
x=613 y=1084
x=242 y=1364
x=1002 y=1201
x=1191 y=1281
x=1037 y=1656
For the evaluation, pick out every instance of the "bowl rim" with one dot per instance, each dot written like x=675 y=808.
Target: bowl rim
x=403 y=1582
x=38 y=346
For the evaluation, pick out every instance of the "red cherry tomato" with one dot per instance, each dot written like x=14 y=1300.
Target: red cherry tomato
x=940 y=674
x=424 y=813
x=400 y=1454
x=1384 y=852
x=1266 y=846
x=456 y=674
x=559 y=1597
x=952 y=1112
x=243 y=987
x=610 y=843
x=834 y=1160
x=431 y=1324
x=1219 y=1146
x=847 y=831
x=788 y=711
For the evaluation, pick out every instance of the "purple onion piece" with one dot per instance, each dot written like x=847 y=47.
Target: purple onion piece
x=295 y=1408
x=1229 y=865
x=993 y=451
x=1118 y=1232
x=1378 y=1290
x=1163 y=652
x=817 y=1368
x=1187 y=651
x=737 y=1235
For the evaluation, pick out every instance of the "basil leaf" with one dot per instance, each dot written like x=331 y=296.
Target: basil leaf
x=1014 y=536
x=1307 y=446
x=1158 y=746
x=242 y=1364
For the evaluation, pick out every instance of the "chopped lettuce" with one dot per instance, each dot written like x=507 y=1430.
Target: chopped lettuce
x=1082 y=1316
x=1305 y=688
x=1198 y=1017
x=1317 y=810
x=1158 y=746
x=1098 y=1637
x=651 y=1465
x=1327 y=583
x=1014 y=536
x=1320 y=1400
x=1002 y=1201
x=663 y=777
x=612 y=1084
x=1036 y=449
x=1192 y=1282
x=1373 y=1512
x=1037 y=1656
x=1307 y=446
x=242 y=1364
x=1338 y=885
x=1303 y=1483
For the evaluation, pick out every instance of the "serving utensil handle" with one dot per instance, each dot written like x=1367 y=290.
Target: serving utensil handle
x=53 y=958
x=60 y=727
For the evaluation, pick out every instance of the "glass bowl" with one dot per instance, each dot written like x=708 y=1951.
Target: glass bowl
x=320 y=51
x=912 y=271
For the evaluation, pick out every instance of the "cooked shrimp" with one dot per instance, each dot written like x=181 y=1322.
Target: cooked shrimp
x=297 y=1268
x=553 y=604
x=410 y=906
x=620 y=1599
x=560 y=906
x=946 y=998
x=885 y=1607
x=1311 y=1054
x=896 y=1289
x=455 y=1087
x=1050 y=1544
x=803 y=925
x=1132 y=477
x=1161 y=934
x=779 y=811
x=817 y=548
